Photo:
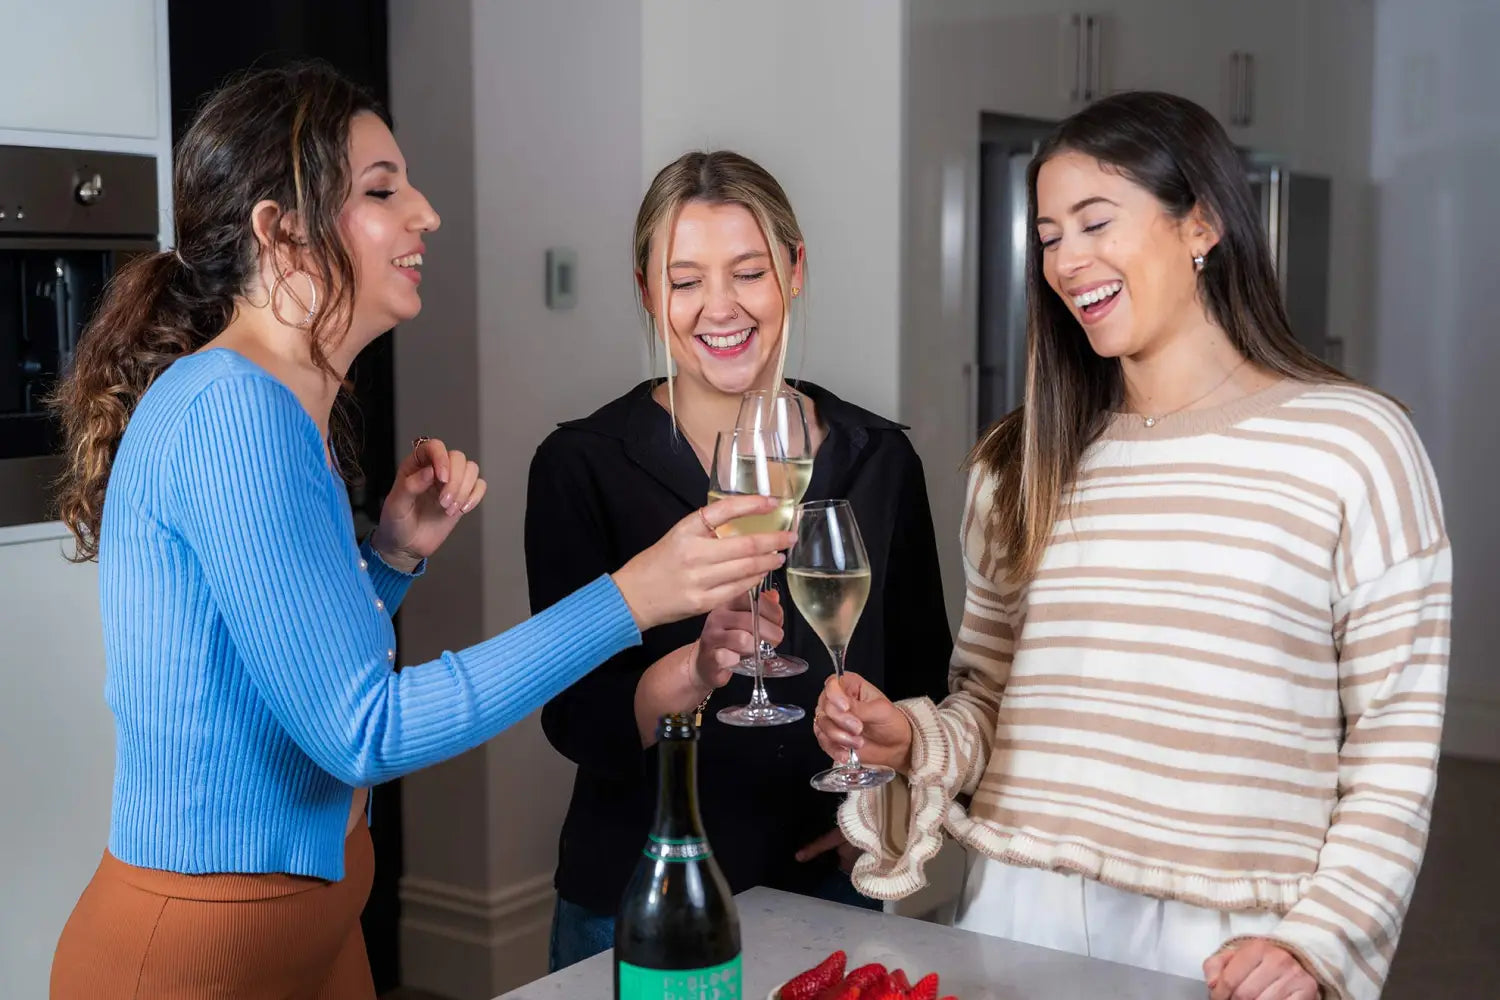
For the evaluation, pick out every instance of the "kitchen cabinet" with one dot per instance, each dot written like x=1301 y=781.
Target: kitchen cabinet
x=1243 y=60
x=1259 y=57
x=57 y=739
x=84 y=68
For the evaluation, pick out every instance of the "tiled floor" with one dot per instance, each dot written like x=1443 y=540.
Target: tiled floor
x=1451 y=946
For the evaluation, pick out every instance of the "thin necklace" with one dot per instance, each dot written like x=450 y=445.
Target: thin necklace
x=1152 y=421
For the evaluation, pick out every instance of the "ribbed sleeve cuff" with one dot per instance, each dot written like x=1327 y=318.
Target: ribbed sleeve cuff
x=898 y=827
x=390 y=584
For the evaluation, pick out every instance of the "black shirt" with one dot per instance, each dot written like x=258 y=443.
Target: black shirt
x=604 y=488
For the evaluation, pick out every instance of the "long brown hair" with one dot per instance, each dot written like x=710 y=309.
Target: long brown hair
x=276 y=134
x=1179 y=152
x=720 y=177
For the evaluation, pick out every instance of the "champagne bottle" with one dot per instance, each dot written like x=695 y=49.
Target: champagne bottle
x=677 y=935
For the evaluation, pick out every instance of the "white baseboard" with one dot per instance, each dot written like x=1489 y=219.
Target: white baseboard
x=1471 y=728
x=468 y=944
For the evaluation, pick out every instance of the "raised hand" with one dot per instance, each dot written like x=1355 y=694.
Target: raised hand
x=434 y=488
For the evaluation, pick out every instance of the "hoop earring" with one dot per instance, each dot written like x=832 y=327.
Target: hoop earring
x=312 y=286
x=1198 y=264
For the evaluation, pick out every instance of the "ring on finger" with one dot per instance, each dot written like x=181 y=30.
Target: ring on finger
x=704 y=518
x=418 y=442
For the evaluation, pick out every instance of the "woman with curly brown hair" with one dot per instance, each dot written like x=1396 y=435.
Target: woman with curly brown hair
x=251 y=660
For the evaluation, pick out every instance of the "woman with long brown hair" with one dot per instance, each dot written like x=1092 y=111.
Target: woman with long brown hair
x=1196 y=700
x=251 y=660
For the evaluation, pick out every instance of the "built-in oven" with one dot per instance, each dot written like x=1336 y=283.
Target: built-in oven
x=68 y=220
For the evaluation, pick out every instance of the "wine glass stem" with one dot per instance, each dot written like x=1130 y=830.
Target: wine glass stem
x=764 y=650
x=758 y=699
x=837 y=652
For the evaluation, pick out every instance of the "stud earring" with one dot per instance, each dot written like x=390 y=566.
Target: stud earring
x=1198 y=264
x=795 y=290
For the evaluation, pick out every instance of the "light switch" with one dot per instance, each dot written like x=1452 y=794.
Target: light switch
x=562 y=278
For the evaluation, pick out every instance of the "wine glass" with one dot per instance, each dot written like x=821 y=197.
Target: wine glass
x=828 y=574
x=750 y=462
x=783 y=413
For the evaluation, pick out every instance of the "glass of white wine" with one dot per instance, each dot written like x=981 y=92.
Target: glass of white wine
x=828 y=574
x=782 y=413
x=751 y=462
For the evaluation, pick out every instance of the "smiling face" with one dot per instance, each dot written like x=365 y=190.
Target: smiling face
x=382 y=225
x=1119 y=261
x=724 y=307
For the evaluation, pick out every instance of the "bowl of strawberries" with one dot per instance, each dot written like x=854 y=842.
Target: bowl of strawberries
x=828 y=981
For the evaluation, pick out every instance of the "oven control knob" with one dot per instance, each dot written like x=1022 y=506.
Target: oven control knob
x=89 y=190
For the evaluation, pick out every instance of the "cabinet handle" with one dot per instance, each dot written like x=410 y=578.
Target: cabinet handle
x=1236 y=89
x=1094 y=88
x=1249 y=98
x=1078 y=68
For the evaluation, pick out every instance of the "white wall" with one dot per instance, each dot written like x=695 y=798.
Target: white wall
x=445 y=835
x=57 y=739
x=522 y=124
x=557 y=141
x=1436 y=157
x=812 y=92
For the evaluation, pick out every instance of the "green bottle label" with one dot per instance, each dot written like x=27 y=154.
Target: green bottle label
x=722 y=982
x=686 y=849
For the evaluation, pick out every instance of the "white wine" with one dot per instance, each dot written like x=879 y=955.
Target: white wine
x=831 y=602
x=773 y=476
x=798 y=474
x=677 y=933
x=779 y=518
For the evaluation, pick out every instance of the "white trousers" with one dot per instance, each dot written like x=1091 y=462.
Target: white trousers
x=1068 y=912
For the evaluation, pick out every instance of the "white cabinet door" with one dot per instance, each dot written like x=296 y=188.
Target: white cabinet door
x=1259 y=57
x=1160 y=45
x=1336 y=97
x=1041 y=62
x=81 y=66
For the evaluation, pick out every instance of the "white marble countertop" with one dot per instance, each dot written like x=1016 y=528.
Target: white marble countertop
x=782 y=934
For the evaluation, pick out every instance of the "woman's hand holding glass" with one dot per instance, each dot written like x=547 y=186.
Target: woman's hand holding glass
x=691 y=570
x=727 y=637
x=853 y=716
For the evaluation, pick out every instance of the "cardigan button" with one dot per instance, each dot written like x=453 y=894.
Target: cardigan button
x=363 y=566
x=390 y=656
x=379 y=604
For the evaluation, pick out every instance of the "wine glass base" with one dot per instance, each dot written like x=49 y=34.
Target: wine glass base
x=772 y=667
x=851 y=779
x=760 y=715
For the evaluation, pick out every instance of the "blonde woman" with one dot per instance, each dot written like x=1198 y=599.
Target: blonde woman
x=1198 y=691
x=719 y=258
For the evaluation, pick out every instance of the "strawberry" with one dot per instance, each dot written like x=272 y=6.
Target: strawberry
x=900 y=982
x=926 y=988
x=807 y=985
x=867 y=977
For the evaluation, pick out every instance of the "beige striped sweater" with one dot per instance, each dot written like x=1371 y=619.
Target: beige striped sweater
x=1224 y=685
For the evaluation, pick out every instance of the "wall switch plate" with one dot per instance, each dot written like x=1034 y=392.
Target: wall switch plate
x=562 y=278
